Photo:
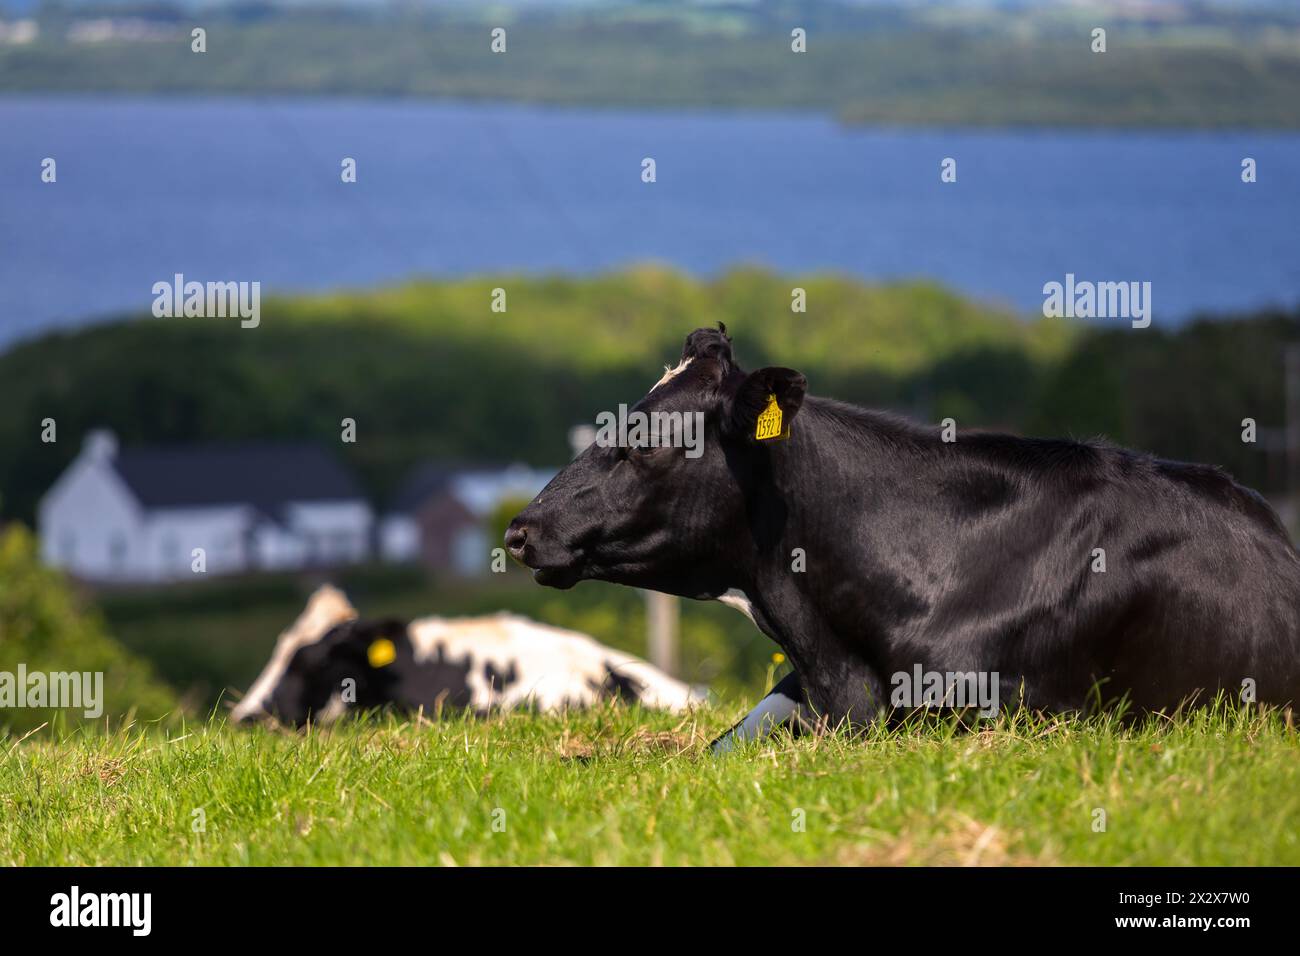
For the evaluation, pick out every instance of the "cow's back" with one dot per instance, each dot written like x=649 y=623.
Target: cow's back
x=1157 y=578
x=516 y=662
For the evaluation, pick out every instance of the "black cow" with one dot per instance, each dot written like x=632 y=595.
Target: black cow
x=874 y=550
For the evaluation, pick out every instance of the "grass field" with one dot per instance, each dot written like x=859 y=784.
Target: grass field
x=620 y=786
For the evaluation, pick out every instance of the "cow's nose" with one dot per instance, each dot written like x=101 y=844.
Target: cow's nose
x=516 y=538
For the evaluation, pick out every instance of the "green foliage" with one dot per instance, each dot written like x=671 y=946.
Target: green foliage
x=42 y=627
x=619 y=785
x=1179 y=394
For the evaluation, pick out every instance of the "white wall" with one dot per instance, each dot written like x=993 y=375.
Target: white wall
x=236 y=539
x=172 y=534
x=91 y=525
x=470 y=555
x=276 y=549
x=399 y=538
x=333 y=532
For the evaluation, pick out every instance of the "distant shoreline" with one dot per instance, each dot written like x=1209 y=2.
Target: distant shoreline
x=1220 y=72
x=700 y=111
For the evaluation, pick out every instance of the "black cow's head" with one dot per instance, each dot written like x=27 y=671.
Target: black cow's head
x=655 y=517
x=350 y=667
x=326 y=663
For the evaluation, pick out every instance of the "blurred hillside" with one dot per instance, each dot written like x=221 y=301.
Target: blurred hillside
x=1166 y=65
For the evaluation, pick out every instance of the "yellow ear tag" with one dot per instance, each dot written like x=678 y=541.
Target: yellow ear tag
x=381 y=653
x=769 y=422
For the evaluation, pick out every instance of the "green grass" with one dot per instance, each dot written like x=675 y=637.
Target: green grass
x=619 y=786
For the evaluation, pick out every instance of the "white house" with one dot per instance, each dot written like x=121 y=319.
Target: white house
x=140 y=514
x=441 y=514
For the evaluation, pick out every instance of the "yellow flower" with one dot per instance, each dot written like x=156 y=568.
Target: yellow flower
x=778 y=658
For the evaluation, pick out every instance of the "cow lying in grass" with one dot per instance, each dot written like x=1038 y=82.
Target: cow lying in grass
x=329 y=661
x=880 y=554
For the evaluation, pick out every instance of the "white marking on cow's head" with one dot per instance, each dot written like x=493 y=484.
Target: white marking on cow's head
x=326 y=608
x=671 y=373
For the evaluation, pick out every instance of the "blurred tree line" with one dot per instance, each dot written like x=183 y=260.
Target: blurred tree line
x=1180 y=394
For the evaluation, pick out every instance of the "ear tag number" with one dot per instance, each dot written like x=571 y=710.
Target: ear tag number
x=769 y=422
x=381 y=653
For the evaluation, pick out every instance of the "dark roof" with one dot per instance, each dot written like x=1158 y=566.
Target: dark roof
x=266 y=475
x=431 y=478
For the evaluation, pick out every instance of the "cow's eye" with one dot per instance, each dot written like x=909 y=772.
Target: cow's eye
x=643 y=455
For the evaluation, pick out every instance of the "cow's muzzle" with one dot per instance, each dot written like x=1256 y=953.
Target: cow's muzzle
x=523 y=547
x=516 y=541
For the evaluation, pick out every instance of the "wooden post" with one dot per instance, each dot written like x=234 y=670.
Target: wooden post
x=663 y=615
x=1291 y=382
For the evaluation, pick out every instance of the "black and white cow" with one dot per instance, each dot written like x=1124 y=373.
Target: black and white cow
x=870 y=547
x=329 y=661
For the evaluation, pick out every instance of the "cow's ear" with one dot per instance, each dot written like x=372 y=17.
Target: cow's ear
x=766 y=403
x=710 y=344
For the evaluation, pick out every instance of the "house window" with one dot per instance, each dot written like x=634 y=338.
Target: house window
x=469 y=552
x=171 y=551
x=341 y=545
x=67 y=549
x=117 y=550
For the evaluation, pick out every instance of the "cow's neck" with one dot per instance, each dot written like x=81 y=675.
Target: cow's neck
x=815 y=578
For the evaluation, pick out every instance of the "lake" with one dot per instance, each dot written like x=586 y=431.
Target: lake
x=250 y=190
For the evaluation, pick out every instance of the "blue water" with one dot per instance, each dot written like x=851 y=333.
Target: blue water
x=227 y=189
